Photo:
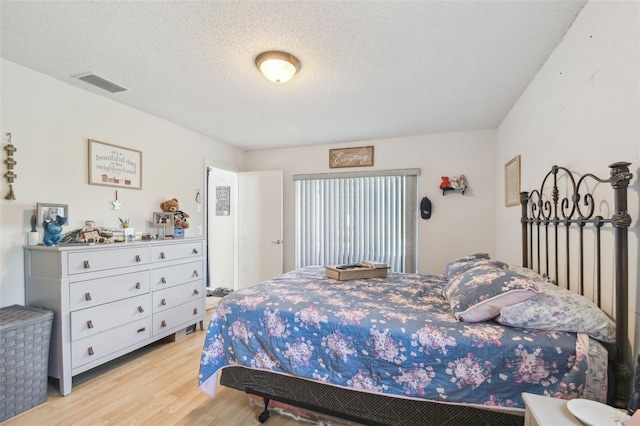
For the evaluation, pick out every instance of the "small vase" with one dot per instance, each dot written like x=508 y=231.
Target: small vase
x=129 y=235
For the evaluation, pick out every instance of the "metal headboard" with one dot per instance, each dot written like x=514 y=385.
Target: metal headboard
x=545 y=214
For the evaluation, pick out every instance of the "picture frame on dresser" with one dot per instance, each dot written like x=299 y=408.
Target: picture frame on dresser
x=46 y=212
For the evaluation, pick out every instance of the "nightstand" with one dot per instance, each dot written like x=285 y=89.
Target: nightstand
x=545 y=411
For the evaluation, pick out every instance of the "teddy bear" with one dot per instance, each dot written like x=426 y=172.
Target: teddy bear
x=459 y=183
x=446 y=183
x=179 y=217
x=53 y=230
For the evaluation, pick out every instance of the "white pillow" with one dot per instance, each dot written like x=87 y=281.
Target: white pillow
x=556 y=308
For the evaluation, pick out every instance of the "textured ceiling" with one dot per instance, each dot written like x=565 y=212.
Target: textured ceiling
x=369 y=69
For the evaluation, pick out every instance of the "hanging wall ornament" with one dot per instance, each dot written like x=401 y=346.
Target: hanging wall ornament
x=10 y=162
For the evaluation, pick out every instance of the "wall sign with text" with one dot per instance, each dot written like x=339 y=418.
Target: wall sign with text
x=351 y=157
x=113 y=165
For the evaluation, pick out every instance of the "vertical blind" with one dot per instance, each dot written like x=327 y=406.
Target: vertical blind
x=351 y=217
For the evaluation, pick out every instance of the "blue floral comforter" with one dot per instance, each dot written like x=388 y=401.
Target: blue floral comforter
x=393 y=336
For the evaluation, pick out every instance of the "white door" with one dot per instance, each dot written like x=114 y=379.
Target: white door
x=259 y=226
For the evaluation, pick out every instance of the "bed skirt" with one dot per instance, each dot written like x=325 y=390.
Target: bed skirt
x=366 y=408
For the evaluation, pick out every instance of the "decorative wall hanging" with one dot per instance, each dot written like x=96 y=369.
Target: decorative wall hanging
x=351 y=157
x=512 y=182
x=456 y=184
x=10 y=162
x=112 y=165
x=223 y=200
x=116 y=203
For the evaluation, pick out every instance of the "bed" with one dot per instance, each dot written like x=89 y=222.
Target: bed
x=457 y=347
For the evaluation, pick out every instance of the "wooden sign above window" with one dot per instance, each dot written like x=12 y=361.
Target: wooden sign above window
x=351 y=157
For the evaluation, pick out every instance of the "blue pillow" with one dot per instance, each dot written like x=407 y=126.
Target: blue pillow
x=462 y=264
x=479 y=293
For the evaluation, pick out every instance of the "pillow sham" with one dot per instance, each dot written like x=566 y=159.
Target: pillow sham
x=461 y=264
x=479 y=293
x=556 y=308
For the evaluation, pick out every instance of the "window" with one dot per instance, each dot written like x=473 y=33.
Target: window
x=344 y=218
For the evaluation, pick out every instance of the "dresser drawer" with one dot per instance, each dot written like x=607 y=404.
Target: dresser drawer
x=173 y=275
x=85 y=294
x=165 y=253
x=87 y=322
x=100 y=345
x=82 y=262
x=177 y=295
x=185 y=314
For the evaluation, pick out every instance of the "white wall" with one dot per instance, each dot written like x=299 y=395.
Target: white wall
x=51 y=122
x=459 y=225
x=581 y=111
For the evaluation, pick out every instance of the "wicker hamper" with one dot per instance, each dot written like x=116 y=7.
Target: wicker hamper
x=24 y=357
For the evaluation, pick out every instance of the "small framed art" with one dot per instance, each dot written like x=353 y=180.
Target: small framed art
x=46 y=212
x=512 y=182
x=163 y=218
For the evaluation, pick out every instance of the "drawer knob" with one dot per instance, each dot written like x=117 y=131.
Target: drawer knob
x=195 y=311
x=138 y=286
x=163 y=323
x=90 y=350
x=140 y=330
x=140 y=309
x=87 y=296
x=86 y=265
x=162 y=256
x=195 y=291
x=194 y=251
x=163 y=280
x=163 y=302
x=195 y=274
x=138 y=258
x=89 y=324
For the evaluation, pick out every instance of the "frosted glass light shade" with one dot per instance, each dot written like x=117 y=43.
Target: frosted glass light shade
x=278 y=67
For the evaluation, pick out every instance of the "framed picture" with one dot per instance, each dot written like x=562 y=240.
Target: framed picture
x=112 y=165
x=46 y=212
x=351 y=157
x=512 y=182
x=163 y=218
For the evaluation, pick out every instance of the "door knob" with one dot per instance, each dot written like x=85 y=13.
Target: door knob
x=277 y=242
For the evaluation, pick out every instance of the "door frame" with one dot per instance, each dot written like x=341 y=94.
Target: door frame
x=234 y=209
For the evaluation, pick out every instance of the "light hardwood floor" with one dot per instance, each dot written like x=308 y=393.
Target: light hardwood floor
x=157 y=385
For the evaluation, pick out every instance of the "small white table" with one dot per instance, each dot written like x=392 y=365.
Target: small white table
x=544 y=411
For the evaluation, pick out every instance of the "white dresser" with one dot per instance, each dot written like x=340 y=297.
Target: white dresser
x=109 y=300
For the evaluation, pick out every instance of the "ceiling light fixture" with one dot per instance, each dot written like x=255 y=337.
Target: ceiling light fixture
x=278 y=67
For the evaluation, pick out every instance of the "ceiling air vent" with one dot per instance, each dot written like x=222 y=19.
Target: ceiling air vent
x=100 y=82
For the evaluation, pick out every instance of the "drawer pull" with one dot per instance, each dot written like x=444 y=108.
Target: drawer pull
x=163 y=302
x=89 y=324
x=138 y=286
x=138 y=258
x=140 y=309
x=86 y=265
x=163 y=323
x=162 y=256
x=194 y=251
x=195 y=291
x=140 y=330
x=90 y=350
x=163 y=280
x=87 y=296
x=195 y=274
x=195 y=311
